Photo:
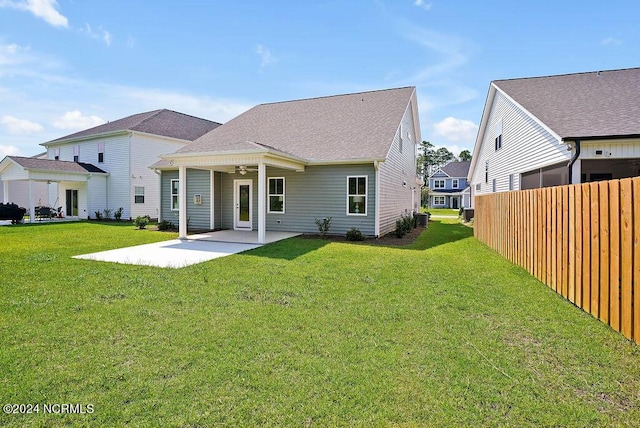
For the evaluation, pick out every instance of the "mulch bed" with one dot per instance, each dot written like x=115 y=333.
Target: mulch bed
x=387 y=240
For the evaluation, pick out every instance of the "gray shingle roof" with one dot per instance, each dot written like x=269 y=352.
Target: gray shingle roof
x=164 y=122
x=55 y=165
x=583 y=105
x=341 y=127
x=457 y=169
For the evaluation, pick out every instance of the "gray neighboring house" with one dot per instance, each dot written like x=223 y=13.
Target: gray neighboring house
x=112 y=168
x=448 y=187
x=555 y=130
x=279 y=166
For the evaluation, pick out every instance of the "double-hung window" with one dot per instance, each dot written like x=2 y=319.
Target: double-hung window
x=498 y=139
x=454 y=183
x=276 y=195
x=438 y=184
x=438 y=200
x=174 y=195
x=100 y=152
x=357 y=195
x=138 y=195
x=76 y=153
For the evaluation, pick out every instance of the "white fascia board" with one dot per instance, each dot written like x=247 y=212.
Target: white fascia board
x=85 y=138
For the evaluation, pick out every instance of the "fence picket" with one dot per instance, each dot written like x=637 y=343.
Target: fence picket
x=581 y=240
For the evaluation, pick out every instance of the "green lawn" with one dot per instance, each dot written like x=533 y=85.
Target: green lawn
x=303 y=332
x=443 y=211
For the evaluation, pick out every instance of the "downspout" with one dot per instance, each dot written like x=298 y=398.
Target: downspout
x=573 y=160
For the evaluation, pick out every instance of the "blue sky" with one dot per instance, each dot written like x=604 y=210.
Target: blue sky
x=71 y=64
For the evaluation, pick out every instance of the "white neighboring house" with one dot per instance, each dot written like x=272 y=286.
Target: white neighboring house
x=109 y=165
x=555 y=130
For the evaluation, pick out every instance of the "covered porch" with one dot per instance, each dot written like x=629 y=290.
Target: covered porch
x=238 y=171
x=67 y=184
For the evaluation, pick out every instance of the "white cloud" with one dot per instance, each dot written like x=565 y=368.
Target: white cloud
x=456 y=130
x=44 y=9
x=8 y=151
x=76 y=120
x=98 y=33
x=265 y=55
x=611 y=41
x=423 y=4
x=14 y=125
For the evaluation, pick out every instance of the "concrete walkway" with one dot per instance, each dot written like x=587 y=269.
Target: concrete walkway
x=178 y=253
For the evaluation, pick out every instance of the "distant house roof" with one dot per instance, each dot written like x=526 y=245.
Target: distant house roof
x=341 y=127
x=582 y=105
x=456 y=169
x=55 y=165
x=166 y=123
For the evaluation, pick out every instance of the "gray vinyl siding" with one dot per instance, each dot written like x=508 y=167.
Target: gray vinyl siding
x=399 y=168
x=199 y=182
x=319 y=191
x=165 y=198
x=217 y=200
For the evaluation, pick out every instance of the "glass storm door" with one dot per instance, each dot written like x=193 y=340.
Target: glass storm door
x=243 y=200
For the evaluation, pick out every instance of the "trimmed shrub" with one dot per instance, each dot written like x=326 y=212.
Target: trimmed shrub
x=354 y=235
x=141 y=221
x=166 y=225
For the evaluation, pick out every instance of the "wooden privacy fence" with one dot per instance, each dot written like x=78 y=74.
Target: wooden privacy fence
x=581 y=240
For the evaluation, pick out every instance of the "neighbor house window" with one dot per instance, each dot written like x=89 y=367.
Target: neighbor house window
x=454 y=183
x=76 y=153
x=498 y=139
x=478 y=187
x=276 y=195
x=100 y=152
x=56 y=153
x=493 y=185
x=357 y=195
x=438 y=200
x=510 y=181
x=174 y=195
x=438 y=184
x=138 y=195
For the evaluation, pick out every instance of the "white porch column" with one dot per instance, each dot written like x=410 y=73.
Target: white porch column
x=5 y=191
x=212 y=199
x=32 y=208
x=182 y=201
x=262 y=202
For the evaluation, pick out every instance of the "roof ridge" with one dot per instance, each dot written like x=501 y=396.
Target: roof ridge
x=566 y=74
x=337 y=95
x=155 y=113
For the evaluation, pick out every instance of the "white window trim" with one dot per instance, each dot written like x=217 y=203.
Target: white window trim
x=366 y=194
x=435 y=198
x=436 y=180
x=455 y=183
x=177 y=195
x=269 y=195
x=135 y=188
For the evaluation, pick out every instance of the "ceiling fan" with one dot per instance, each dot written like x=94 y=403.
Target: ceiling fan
x=243 y=169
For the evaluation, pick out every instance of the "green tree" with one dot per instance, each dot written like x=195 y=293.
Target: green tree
x=465 y=155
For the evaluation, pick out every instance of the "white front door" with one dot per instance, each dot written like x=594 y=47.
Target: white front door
x=243 y=204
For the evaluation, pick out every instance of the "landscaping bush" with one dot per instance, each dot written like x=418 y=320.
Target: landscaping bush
x=324 y=225
x=118 y=214
x=166 y=225
x=107 y=213
x=98 y=215
x=142 y=221
x=404 y=225
x=354 y=235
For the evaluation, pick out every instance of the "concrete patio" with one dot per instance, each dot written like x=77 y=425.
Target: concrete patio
x=177 y=253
